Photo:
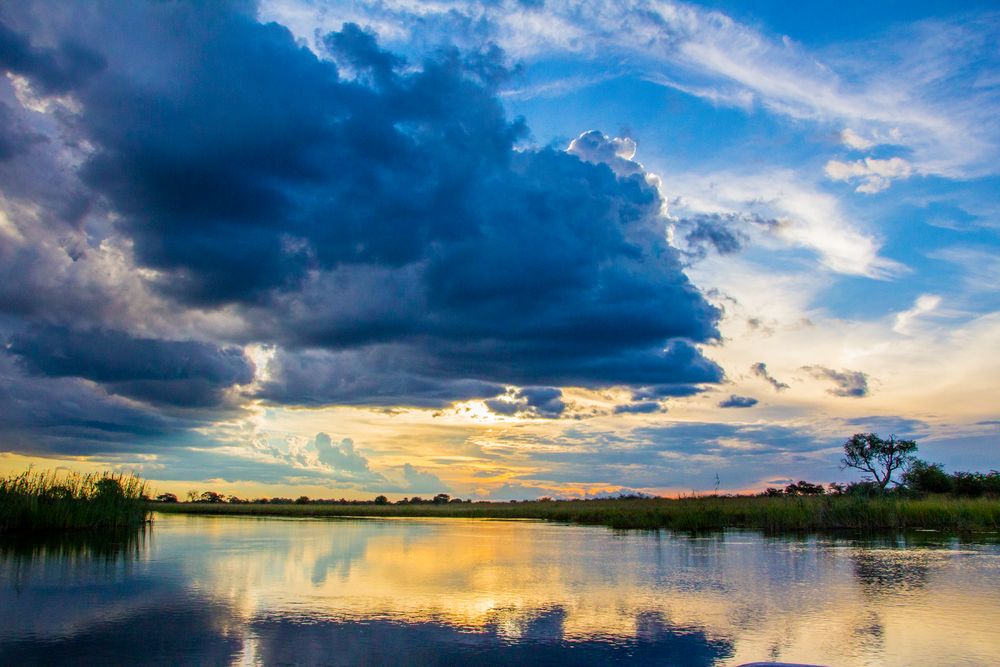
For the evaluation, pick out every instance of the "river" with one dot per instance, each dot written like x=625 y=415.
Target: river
x=237 y=590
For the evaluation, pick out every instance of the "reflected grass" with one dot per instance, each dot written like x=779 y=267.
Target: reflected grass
x=124 y=544
x=683 y=514
x=50 y=501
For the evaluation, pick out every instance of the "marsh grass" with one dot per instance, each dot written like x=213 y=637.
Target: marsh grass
x=780 y=514
x=50 y=501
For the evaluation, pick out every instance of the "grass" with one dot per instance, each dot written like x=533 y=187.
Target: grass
x=704 y=513
x=48 y=501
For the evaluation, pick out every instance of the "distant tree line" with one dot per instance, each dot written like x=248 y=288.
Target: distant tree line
x=214 y=497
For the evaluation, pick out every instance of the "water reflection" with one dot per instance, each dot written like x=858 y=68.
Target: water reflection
x=263 y=591
x=111 y=546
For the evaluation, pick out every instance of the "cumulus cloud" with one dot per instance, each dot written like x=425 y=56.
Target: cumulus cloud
x=849 y=384
x=341 y=456
x=759 y=369
x=421 y=481
x=872 y=174
x=852 y=139
x=616 y=152
x=376 y=221
x=735 y=401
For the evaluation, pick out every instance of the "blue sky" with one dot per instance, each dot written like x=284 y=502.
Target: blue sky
x=503 y=249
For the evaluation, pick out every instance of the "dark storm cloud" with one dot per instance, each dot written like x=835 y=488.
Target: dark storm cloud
x=713 y=230
x=375 y=220
x=664 y=391
x=760 y=370
x=529 y=401
x=381 y=375
x=641 y=407
x=14 y=137
x=735 y=401
x=849 y=384
x=40 y=415
x=179 y=373
x=53 y=70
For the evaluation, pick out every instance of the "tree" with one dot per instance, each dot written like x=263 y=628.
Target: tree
x=877 y=457
x=441 y=499
x=804 y=488
x=381 y=500
x=166 y=498
x=927 y=477
x=211 y=497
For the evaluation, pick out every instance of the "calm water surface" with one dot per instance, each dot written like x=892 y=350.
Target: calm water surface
x=213 y=590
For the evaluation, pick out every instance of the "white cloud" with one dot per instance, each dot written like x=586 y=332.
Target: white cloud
x=873 y=175
x=799 y=214
x=924 y=304
x=853 y=140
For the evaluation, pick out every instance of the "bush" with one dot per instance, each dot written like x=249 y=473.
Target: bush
x=863 y=489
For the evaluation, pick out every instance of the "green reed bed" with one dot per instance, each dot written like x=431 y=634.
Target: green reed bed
x=49 y=501
x=702 y=513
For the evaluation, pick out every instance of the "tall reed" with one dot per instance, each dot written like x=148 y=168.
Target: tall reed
x=47 y=501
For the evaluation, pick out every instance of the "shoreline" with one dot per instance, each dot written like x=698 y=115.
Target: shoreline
x=703 y=513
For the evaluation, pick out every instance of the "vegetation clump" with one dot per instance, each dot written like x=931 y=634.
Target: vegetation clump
x=48 y=501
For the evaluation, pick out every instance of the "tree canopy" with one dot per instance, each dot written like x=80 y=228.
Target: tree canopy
x=878 y=457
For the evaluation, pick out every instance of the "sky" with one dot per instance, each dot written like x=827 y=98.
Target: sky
x=496 y=249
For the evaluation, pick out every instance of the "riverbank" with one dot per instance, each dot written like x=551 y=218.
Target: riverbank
x=703 y=513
